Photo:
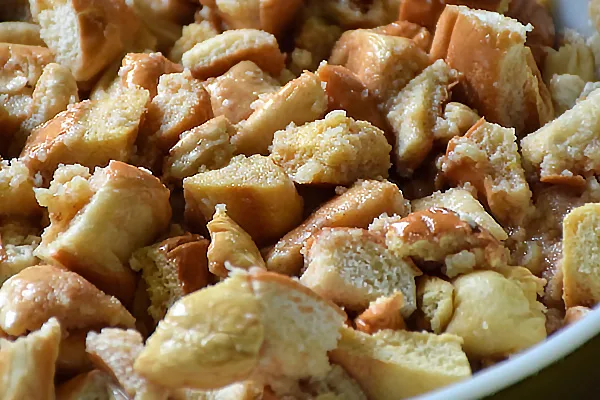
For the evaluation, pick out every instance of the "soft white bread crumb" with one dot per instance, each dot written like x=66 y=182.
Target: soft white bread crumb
x=400 y=364
x=498 y=315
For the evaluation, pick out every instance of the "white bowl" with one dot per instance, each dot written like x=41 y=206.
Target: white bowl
x=568 y=14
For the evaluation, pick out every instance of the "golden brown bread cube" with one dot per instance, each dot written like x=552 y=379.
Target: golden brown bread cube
x=171 y=269
x=401 y=364
x=413 y=113
x=258 y=194
x=22 y=66
x=500 y=77
x=300 y=101
x=119 y=208
x=96 y=384
x=574 y=57
x=383 y=313
x=85 y=35
x=27 y=364
x=439 y=235
x=16 y=190
x=574 y=314
x=191 y=35
x=580 y=268
x=353 y=267
x=75 y=302
x=317 y=34
x=356 y=207
x=216 y=55
x=90 y=133
x=254 y=325
x=385 y=64
x=456 y=121
x=115 y=350
x=203 y=148
x=233 y=93
x=566 y=149
x=498 y=314
x=565 y=90
x=465 y=205
x=335 y=150
x=18 y=32
x=17 y=244
x=435 y=302
x=487 y=157
x=144 y=70
x=230 y=246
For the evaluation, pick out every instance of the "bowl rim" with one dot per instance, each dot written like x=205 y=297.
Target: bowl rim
x=523 y=365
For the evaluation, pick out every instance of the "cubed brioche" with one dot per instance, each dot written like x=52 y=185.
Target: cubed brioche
x=413 y=113
x=191 y=35
x=352 y=267
x=17 y=244
x=16 y=190
x=119 y=208
x=500 y=77
x=27 y=364
x=144 y=70
x=171 y=269
x=498 y=315
x=275 y=206
x=574 y=57
x=336 y=150
x=22 y=66
x=383 y=313
x=300 y=101
x=456 y=121
x=356 y=207
x=76 y=303
x=400 y=364
x=255 y=324
x=230 y=246
x=580 y=266
x=565 y=89
x=487 y=157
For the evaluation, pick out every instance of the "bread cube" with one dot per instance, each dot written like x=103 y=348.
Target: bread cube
x=119 y=208
x=203 y=148
x=191 y=35
x=144 y=70
x=465 y=205
x=574 y=57
x=171 y=269
x=300 y=101
x=17 y=244
x=435 y=302
x=16 y=190
x=22 y=66
x=214 y=56
x=383 y=313
x=18 y=32
x=27 y=365
x=487 y=157
x=456 y=121
x=498 y=315
x=356 y=207
x=565 y=89
x=258 y=194
x=401 y=364
x=75 y=302
x=413 y=113
x=580 y=265
x=335 y=150
x=233 y=93
x=90 y=133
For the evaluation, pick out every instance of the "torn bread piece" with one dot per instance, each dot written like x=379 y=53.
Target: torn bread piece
x=203 y=148
x=353 y=267
x=216 y=55
x=401 y=364
x=318 y=35
x=574 y=57
x=415 y=32
x=144 y=70
x=276 y=206
x=439 y=235
x=18 y=241
x=500 y=77
x=300 y=101
x=85 y=36
x=16 y=190
x=383 y=313
x=565 y=90
x=335 y=150
x=498 y=314
x=171 y=269
x=27 y=365
x=385 y=64
x=487 y=157
x=119 y=208
x=254 y=325
x=76 y=303
x=21 y=67
x=566 y=149
x=355 y=207
x=93 y=385
x=575 y=314
x=191 y=35
x=115 y=351
x=234 y=93
x=230 y=246
x=18 y=32
x=580 y=269
x=456 y=120
x=90 y=133
x=413 y=113
x=463 y=203
x=435 y=303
